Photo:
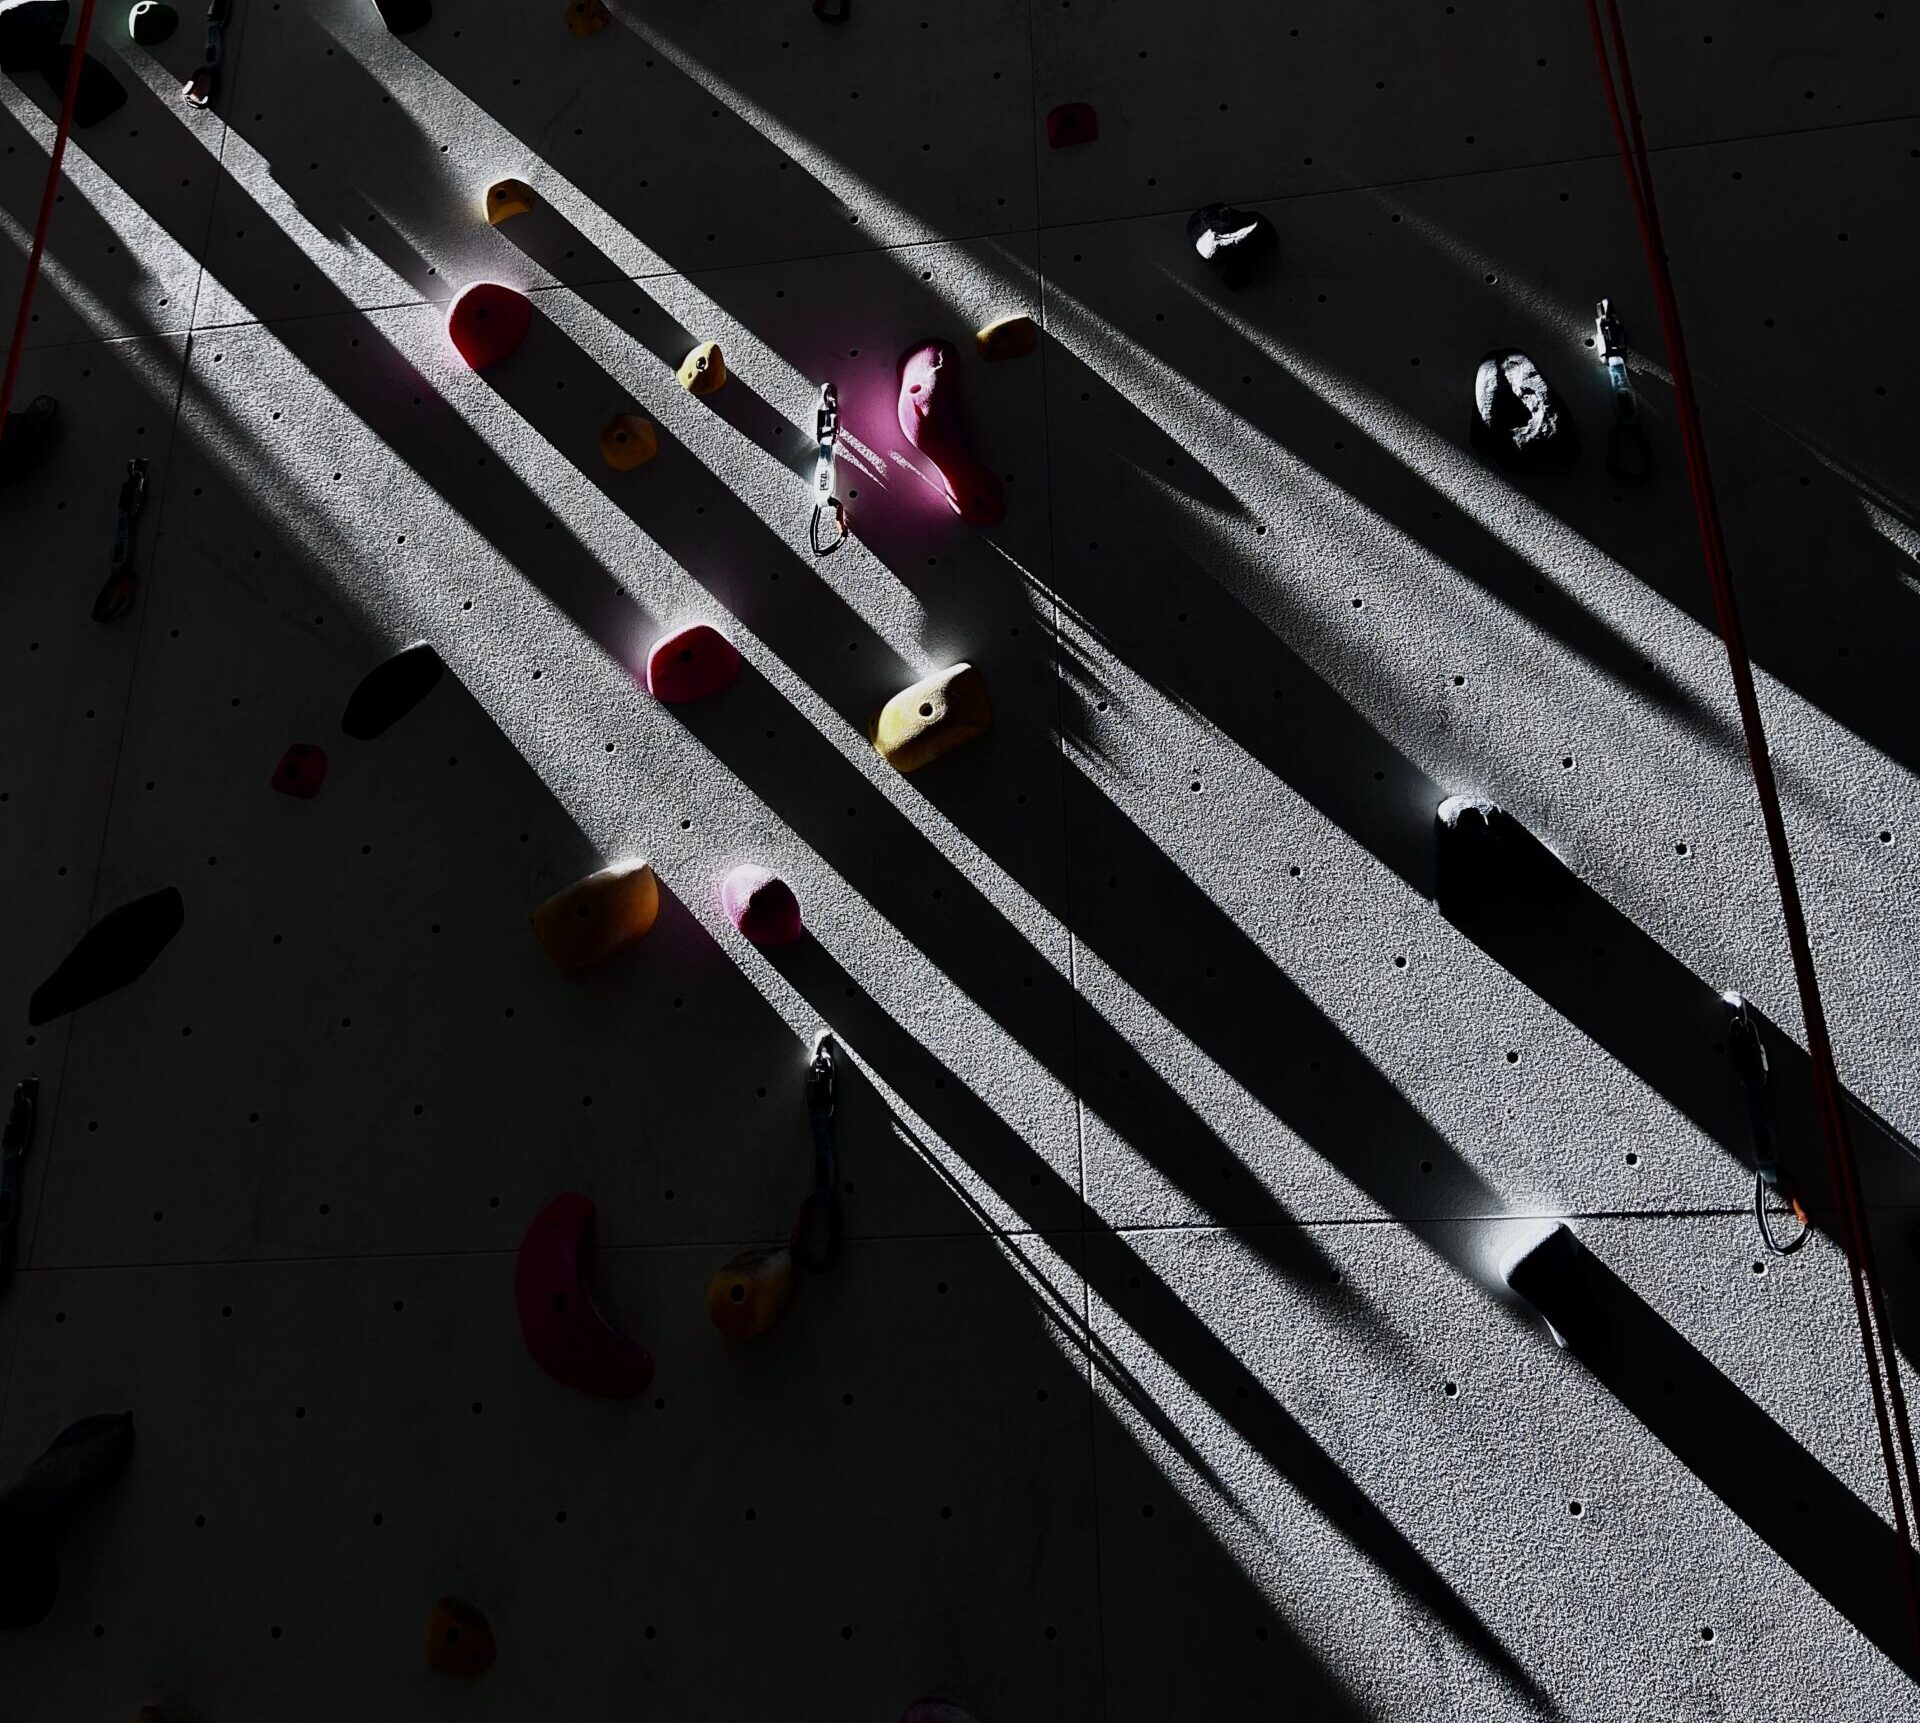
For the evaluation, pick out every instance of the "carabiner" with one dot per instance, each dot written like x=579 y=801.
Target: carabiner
x=1629 y=454
x=826 y=426
x=115 y=597
x=816 y=1229
x=199 y=89
x=1749 y=1053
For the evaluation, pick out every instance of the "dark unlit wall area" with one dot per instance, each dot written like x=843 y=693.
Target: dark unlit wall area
x=1168 y=1369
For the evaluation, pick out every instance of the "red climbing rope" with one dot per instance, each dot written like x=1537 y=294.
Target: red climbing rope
x=24 y=316
x=1876 y=1332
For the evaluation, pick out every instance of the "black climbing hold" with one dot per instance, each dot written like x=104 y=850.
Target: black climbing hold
x=832 y=11
x=1486 y=862
x=100 y=92
x=151 y=22
x=400 y=16
x=27 y=436
x=390 y=691
x=1517 y=418
x=1231 y=241
x=37 y=1506
x=117 y=949
x=29 y=31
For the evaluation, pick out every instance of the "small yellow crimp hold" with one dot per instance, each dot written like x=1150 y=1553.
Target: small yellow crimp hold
x=594 y=917
x=507 y=198
x=628 y=441
x=588 y=17
x=1007 y=338
x=749 y=1292
x=703 y=370
x=936 y=714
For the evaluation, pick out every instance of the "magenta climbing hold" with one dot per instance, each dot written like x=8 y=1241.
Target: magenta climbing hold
x=930 y=421
x=1072 y=123
x=487 y=322
x=301 y=772
x=559 y=1321
x=761 y=905
x=690 y=664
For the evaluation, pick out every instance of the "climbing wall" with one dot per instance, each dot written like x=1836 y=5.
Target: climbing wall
x=1169 y=1370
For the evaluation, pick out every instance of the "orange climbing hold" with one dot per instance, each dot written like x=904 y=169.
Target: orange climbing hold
x=628 y=441
x=703 y=370
x=588 y=17
x=749 y=1293
x=1007 y=338
x=936 y=714
x=459 y=1639
x=508 y=197
x=595 y=917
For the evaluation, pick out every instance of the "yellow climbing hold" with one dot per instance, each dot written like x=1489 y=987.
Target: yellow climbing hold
x=937 y=713
x=628 y=441
x=1007 y=338
x=703 y=370
x=749 y=1292
x=587 y=17
x=508 y=197
x=459 y=1639
x=594 y=917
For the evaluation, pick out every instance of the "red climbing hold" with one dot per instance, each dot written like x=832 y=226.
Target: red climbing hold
x=488 y=322
x=301 y=772
x=1072 y=123
x=929 y=419
x=691 y=663
x=761 y=905
x=563 y=1328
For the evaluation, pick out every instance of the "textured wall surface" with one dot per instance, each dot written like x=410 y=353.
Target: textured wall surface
x=1169 y=1371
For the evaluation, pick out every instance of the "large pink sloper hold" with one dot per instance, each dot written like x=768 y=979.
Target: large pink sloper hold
x=691 y=663
x=930 y=421
x=761 y=905
x=562 y=1326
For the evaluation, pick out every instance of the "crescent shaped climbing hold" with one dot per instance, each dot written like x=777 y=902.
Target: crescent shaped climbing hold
x=1007 y=338
x=690 y=664
x=562 y=1326
x=100 y=92
x=594 y=917
x=507 y=198
x=703 y=370
x=930 y=421
x=152 y=22
x=488 y=322
x=402 y=16
x=588 y=17
x=301 y=772
x=118 y=949
x=1231 y=241
x=1072 y=123
x=761 y=905
x=459 y=1639
x=750 y=1292
x=628 y=441
x=37 y=1506
x=1518 y=419
x=935 y=715
x=390 y=690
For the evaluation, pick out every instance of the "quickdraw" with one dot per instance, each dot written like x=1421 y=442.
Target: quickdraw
x=1749 y=1053
x=826 y=422
x=200 y=88
x=115 y=598
x=1629 y=454
x=816 y=1231
x=14 y=1143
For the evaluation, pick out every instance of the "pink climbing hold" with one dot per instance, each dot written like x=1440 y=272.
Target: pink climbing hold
x=1072 y=123
x=691 y=663
x=301 y=772
x=761 y=905
x=488 y=322
x=929 y=419
x=563 y=1328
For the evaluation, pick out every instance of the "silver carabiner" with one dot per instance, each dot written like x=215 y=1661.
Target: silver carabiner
x=826 y=425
